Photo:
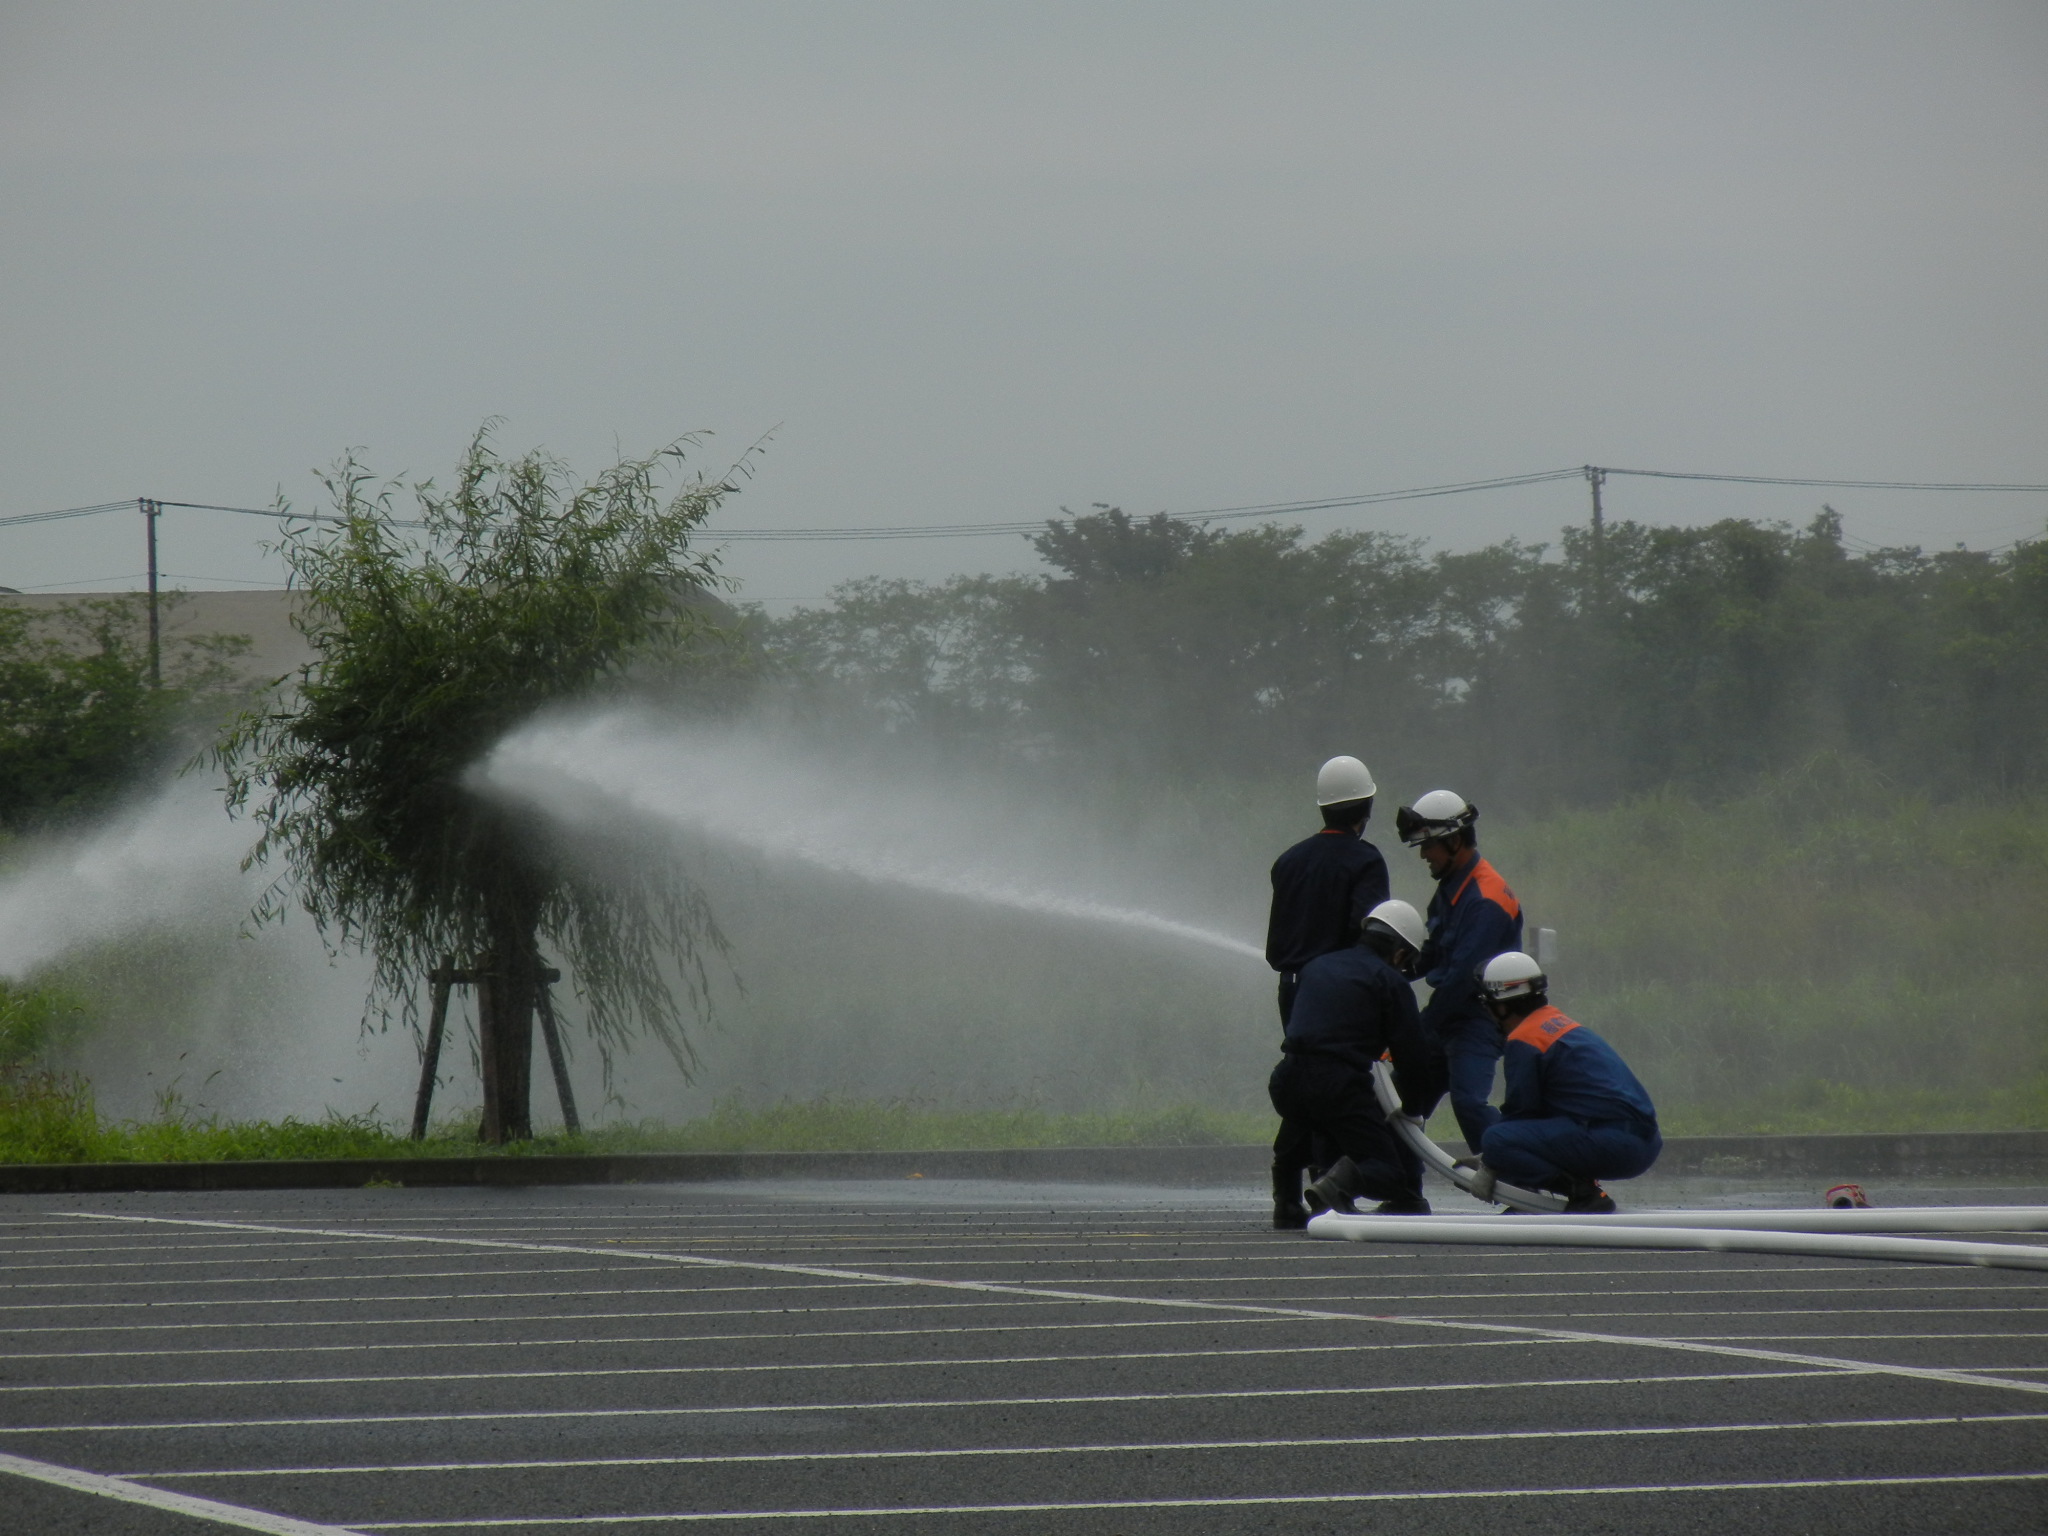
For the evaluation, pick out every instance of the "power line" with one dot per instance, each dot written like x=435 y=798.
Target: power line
x=1843 y=485
x=1203 y=515
x=285 y=516
x=50 y=517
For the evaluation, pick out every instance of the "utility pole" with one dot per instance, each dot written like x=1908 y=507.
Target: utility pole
x=1595 y=478
x=151 y=511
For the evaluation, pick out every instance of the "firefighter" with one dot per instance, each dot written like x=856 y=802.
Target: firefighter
x=1473 y=916
x=1352 y=1006
x=1323 y=887
x=1574 y=1113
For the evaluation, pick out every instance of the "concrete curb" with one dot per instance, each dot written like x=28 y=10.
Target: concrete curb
x=2008 y=1154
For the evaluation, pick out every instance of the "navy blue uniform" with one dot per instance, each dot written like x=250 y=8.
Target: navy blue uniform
x=1351 y=1007
x=1573 y=1110
x=1322 y=888
x=1472 y=917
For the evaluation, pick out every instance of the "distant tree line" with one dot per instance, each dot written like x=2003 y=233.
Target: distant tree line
x=1645 y=657
x=82 y=721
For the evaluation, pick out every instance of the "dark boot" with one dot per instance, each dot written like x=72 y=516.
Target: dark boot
x=1338 y=1190
x=1412 y=1205
x=1289 y=1214
x=1587 y=1198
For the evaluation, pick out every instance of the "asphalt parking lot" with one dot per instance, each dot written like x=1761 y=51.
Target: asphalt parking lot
x=924 y=1356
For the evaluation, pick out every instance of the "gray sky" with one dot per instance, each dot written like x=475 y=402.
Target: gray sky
x=979 y=261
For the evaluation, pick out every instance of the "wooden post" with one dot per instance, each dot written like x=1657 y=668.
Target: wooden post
x=490 y=989
x=150 y=512
x=553 y=1037
x=437 y=1022
x=1597 y=477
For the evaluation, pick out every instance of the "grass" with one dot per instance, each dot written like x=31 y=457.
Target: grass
x=48 y=1117
x=1824 y=952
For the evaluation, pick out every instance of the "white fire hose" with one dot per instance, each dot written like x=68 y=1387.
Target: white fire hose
x=1434 y=1156
x=1821 y=1233
x=1605 y=1232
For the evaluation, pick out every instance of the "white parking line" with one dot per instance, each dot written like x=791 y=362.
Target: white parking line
x=392 y=1301
x=502 y=1318
x=365 y=1346
x=1268 y=1501
x=1930 y=1338
x=582 y=1373
x=637 y=1268
x=1150 y=1447
x=126 y=1492
x=913 y=1405
x=1784 y=1357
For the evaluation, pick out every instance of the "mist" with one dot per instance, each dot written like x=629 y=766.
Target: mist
x=901 y=931
x=147 y=917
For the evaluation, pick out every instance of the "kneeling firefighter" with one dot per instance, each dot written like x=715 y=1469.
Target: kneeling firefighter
x=1352 y=1006
x=1574 y=1113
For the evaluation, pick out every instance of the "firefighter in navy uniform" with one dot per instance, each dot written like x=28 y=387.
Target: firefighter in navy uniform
x=1323 y=887
x=1472 y=917
x=1352 y=1006
x=1574 y=1113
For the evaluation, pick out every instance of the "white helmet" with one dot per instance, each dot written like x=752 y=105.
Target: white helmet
x=1513 y=974
x=1342 y=779
x=1440 y=813
x=1401 y=920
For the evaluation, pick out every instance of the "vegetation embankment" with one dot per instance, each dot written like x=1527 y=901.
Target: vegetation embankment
x=49 y=1117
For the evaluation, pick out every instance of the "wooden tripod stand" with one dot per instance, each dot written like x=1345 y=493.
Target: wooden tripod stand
x=445 y=979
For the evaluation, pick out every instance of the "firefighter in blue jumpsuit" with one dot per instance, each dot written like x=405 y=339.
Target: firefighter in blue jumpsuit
x=1354 y=1005
x=1323 y=887
x=1472 y=917
x=1574 y=1113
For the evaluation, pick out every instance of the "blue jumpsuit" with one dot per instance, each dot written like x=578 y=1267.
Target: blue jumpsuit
x=1472 y=917
x=1573 y=1111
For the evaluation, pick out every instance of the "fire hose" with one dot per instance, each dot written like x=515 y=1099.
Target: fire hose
x=1434 y=1156
x=1823 y=1233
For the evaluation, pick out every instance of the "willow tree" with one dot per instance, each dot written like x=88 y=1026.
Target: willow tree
x=433 y=635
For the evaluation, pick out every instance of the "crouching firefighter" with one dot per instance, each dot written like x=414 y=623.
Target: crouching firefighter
x=1574 y=1113
x=1352 y=1006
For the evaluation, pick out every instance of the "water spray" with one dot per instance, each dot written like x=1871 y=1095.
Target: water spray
x=722 y=788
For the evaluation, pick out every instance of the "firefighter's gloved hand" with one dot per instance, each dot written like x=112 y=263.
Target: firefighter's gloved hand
x=1469 y=1160
x=1395 y=1118
x=1483 y=1178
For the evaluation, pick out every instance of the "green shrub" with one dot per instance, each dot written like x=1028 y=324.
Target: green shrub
x=33 y=1020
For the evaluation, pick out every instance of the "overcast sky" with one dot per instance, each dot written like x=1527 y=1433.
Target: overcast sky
x=979 y=261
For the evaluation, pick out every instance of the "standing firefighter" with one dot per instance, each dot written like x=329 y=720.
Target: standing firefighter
x=1323 y=887
x=1472 y=917
x=1353 y=1006
x=1575 y=1114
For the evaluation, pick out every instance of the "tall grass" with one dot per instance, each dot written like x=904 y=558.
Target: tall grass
x=1829 y=951
x=49 y=1117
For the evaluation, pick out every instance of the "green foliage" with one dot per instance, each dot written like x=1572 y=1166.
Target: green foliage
x=517 y=590
x=35 y=1019
x=46 y=1117
x=49 y=1118
x=1825 y=927
x=853 y=1125
x=79 y=719
x=1695 y=658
